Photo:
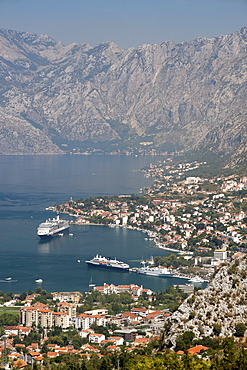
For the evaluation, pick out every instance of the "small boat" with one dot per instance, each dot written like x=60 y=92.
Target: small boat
x=91 y=284
x=78 y=261
x=70 y=234
x=8 y=278
x=60 y=234
x=39 y=281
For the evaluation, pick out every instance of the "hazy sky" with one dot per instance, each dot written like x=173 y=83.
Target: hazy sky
x=126 y=22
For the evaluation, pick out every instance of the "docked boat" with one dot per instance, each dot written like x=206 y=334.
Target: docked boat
x=52 y=227
x=196 y=279
x=107 y=262
x=159 y=271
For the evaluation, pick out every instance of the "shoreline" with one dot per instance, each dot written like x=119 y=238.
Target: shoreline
x=150 y=233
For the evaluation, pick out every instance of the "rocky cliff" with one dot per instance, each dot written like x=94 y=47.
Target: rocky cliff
x=190 y=95
x=223 y=302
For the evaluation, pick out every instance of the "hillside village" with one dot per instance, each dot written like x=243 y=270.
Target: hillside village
x=39 y=334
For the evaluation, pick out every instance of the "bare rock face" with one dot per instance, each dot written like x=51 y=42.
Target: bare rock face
x=223 y=302
x=190 y=95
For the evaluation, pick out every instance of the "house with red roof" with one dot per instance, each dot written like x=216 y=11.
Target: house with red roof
x=20 y=364
x=96 y=338
x=84 y=332
x=197 y=350
x=140 y=311
x=118 y=341
x=131 y=317
x=141 y=342
x=87 y=347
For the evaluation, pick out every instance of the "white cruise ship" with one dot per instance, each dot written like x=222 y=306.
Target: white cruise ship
x=196 y=279
x=107 y=262
x=160 y=271
x=52 y=227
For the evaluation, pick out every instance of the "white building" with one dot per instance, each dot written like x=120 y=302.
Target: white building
x=220 y=254
x=84 y=321
x=118 y=341
x=96 y=338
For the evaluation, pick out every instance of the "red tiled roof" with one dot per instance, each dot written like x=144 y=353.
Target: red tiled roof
x=197 y=349
x=20 y=363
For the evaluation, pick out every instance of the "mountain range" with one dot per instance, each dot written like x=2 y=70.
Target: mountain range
x=187 y=96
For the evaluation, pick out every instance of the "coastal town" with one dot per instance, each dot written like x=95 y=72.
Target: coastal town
x=201 y=221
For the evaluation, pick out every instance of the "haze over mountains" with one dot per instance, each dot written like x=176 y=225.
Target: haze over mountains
x=185 y=96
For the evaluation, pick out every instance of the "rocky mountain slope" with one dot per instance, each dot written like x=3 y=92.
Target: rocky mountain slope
x=223 y=302
x=178 y=96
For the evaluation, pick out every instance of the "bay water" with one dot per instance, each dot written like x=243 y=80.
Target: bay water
x=29 y=184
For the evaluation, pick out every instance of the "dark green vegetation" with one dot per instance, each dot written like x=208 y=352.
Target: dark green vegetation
x=172 y=260
x=228 y=357
x=169 y=299
x=8 y=315
x=113 y=302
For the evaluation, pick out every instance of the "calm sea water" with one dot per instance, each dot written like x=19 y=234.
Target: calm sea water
x=29 y=184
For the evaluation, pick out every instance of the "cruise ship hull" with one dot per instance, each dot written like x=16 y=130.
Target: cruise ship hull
x=48 y=236
x=105 y=266
x=149 y=273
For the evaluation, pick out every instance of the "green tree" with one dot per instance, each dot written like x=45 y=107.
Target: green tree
x=217 y=329
x=23 y=296
x=100 y=329
x=184 y=341
x=125 y=298
x=8 y=319
x=77 y=341
x=240 y=330
x=105 y=364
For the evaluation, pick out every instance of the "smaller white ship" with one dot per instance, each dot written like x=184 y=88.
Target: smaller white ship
x=107 y=262
x=196 y=279
x=159 y=271
x=8 y=278
x=39 y=281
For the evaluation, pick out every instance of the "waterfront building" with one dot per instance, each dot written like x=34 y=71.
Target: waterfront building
x=133 y=289
x=73 y=297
